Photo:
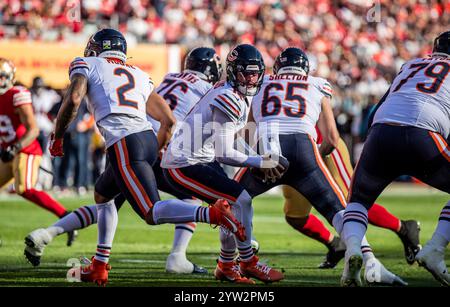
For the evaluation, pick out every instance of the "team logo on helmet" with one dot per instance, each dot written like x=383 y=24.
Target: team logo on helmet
x=106 y=44
x=233 y=55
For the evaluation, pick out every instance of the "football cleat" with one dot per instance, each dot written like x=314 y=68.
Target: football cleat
x=351 y=277
x=431 y=257
x=199 y=270
x=227 y=220
x=336 y=252
x=409 y=234
x=96 y=272
x=376 y=274
x=229 y=271
x=35 y=243
x=71 y=237
x=178 y=264
x=260 y=271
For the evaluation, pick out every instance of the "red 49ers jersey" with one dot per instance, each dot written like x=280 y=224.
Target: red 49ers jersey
x=11 y=129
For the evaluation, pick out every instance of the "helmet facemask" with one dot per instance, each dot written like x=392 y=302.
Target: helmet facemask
x=249 y=81
x=245 y=69
x=92 y=48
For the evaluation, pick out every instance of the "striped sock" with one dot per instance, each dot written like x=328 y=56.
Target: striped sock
x=87 y=215
x=80 y=218
x=366 y=250
x=183 y=234
x=202 y=214
x=246 y=253
x=106 y=225
x=443 y=227
x=356 y=213
x=355 y=226
x=102 y=253
x=227 y=255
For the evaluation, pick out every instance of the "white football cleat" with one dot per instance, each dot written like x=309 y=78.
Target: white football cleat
x=376 y=274
x=351 y=276
x=35 y=243
x=178 y=264
x=431 y=257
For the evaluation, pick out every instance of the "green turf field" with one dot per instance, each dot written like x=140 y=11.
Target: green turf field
x=139 y=251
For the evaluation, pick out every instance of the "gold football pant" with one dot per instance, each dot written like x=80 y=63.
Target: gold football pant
x=23 y=169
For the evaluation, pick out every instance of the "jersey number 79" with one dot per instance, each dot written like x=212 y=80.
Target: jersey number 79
x=438 y=76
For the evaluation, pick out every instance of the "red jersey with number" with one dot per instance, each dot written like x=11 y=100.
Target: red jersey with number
x=11 y=128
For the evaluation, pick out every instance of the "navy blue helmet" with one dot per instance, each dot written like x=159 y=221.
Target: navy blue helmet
x=291 y=60
x=108 y=42
x=245 y=69
x=442 y=43
x=205 y=61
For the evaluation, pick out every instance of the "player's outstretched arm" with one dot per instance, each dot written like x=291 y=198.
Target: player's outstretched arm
x=27 y=118
x=327 y=127
x=224 y=147
x=71 y=102
x=160 y=110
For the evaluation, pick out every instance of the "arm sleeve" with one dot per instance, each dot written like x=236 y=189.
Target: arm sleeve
x=79 y=66
x=224 y=141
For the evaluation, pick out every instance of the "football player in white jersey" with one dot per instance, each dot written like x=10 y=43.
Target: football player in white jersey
x=202 y=70
x=286 y=112
x=120 y=96
x=191 y=161
x=409 y=136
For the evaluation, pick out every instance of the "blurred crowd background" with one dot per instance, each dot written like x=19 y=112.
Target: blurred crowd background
x=358 y=45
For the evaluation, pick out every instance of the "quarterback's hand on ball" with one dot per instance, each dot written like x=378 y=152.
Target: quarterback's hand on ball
x=56 y=146
x=278 y=167
x=8 y=154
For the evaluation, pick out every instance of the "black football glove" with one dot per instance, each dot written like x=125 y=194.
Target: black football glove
x=271 y=174
x=8 y=154
x=277 y=172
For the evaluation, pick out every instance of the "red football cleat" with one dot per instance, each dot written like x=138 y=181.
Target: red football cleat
x=96 y=272
x=229 y=271
x=260 y=271
x=220 y=214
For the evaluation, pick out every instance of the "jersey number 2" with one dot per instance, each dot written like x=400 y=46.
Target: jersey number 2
x=121 y=90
